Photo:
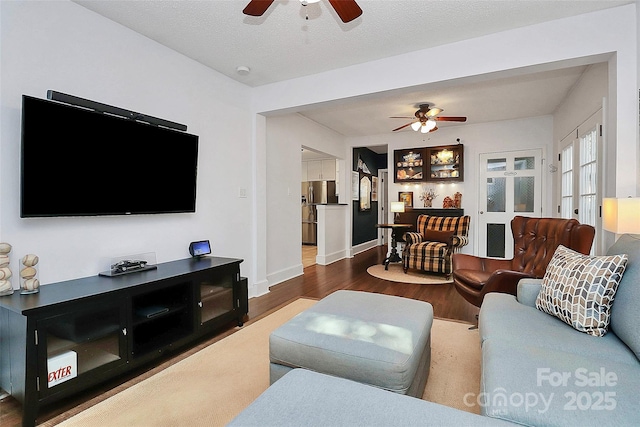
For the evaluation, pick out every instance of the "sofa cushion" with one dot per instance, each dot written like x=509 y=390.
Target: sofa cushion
x=305 y=398
x=537 y=386
x=503 y=318
x=579 y=289
x=527 y=291
x=625 y=313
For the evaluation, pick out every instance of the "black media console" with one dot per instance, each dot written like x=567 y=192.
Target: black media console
x=73 y=335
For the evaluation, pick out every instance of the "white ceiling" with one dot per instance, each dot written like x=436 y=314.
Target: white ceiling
x=282 y=45
x=509 y=98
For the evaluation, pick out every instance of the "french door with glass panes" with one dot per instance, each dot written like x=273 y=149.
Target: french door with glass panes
x=580 y=180
x=510 y=185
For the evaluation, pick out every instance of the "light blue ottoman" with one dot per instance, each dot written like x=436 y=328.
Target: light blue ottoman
x=380 y=340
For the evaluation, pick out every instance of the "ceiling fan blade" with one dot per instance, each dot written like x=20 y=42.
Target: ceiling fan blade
x=400 y=117
x=433 y=111
x=347 y=10
x=403 y=126
x=450 y=119
x=257 y=7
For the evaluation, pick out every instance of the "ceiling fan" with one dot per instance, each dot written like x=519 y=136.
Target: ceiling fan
x=347 y=10
x=426 y=119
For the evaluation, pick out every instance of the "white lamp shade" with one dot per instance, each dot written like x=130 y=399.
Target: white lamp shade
x=397 y=206
x=416 y=126
x=621 y=216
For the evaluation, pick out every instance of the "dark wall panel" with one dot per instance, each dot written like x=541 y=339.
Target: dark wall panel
x=364 y=223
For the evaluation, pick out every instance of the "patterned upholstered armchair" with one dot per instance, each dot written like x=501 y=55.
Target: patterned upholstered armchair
x=437 y=237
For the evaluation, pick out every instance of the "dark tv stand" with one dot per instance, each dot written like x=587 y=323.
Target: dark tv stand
x=111 y=325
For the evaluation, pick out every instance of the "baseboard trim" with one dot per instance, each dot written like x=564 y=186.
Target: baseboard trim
x=355 y=250
x=284 y=274
x=331 y=258
x=259 y=289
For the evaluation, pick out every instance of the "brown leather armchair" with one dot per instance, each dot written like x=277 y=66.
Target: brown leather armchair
x=535 y=241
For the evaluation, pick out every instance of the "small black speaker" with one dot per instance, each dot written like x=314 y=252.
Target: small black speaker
x=200 y=248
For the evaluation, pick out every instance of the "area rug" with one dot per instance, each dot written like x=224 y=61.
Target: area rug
x=395 y=273
x=210 y=387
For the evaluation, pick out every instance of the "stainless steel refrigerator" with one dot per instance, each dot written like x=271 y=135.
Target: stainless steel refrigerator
x=314 y=193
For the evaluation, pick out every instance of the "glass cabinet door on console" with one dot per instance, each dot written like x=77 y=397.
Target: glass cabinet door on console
x=77 y=346
x=216 y=293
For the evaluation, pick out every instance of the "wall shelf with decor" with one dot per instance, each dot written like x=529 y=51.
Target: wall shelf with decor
x=409 y=165
x=445 y=163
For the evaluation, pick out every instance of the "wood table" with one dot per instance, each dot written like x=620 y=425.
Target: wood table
x=396 y=230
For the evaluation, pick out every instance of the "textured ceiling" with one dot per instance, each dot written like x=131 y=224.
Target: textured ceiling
x=510 y=98
x=283 y=44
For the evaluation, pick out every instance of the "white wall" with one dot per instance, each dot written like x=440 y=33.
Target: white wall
x=62 y=46
x=511 y=135
x=285 y=136
x=584 y=99
x=566 y=42
x=332 y=233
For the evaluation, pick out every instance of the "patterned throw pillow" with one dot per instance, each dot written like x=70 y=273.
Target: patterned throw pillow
x=579 y=289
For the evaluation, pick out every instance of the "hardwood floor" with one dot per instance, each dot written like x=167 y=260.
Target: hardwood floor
x=309 y=253
x=317 y=282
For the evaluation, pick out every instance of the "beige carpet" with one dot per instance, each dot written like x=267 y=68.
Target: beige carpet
x=213 y=385
x=395 y=273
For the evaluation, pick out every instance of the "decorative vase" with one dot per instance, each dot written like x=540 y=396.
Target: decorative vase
x=427 y=203
x=5 y=270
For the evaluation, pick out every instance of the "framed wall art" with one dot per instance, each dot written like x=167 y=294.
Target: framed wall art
x=365 y=192
x=406 y=197
x=374 y=188
x=355 y=185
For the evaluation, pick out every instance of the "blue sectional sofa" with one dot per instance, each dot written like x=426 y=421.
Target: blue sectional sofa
x=536 y=370
x=307 y=398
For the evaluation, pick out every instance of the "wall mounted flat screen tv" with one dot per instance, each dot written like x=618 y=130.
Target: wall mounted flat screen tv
x=78 y=162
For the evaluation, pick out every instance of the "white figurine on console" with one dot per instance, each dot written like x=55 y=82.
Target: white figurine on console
x=30 y=284
x=5 y=270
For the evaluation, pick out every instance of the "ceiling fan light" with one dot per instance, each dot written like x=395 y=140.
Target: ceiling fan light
x=424 y=128
x=416 y=125
x=430 y=124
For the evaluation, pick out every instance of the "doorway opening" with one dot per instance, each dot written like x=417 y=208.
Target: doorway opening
x=319 y=184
